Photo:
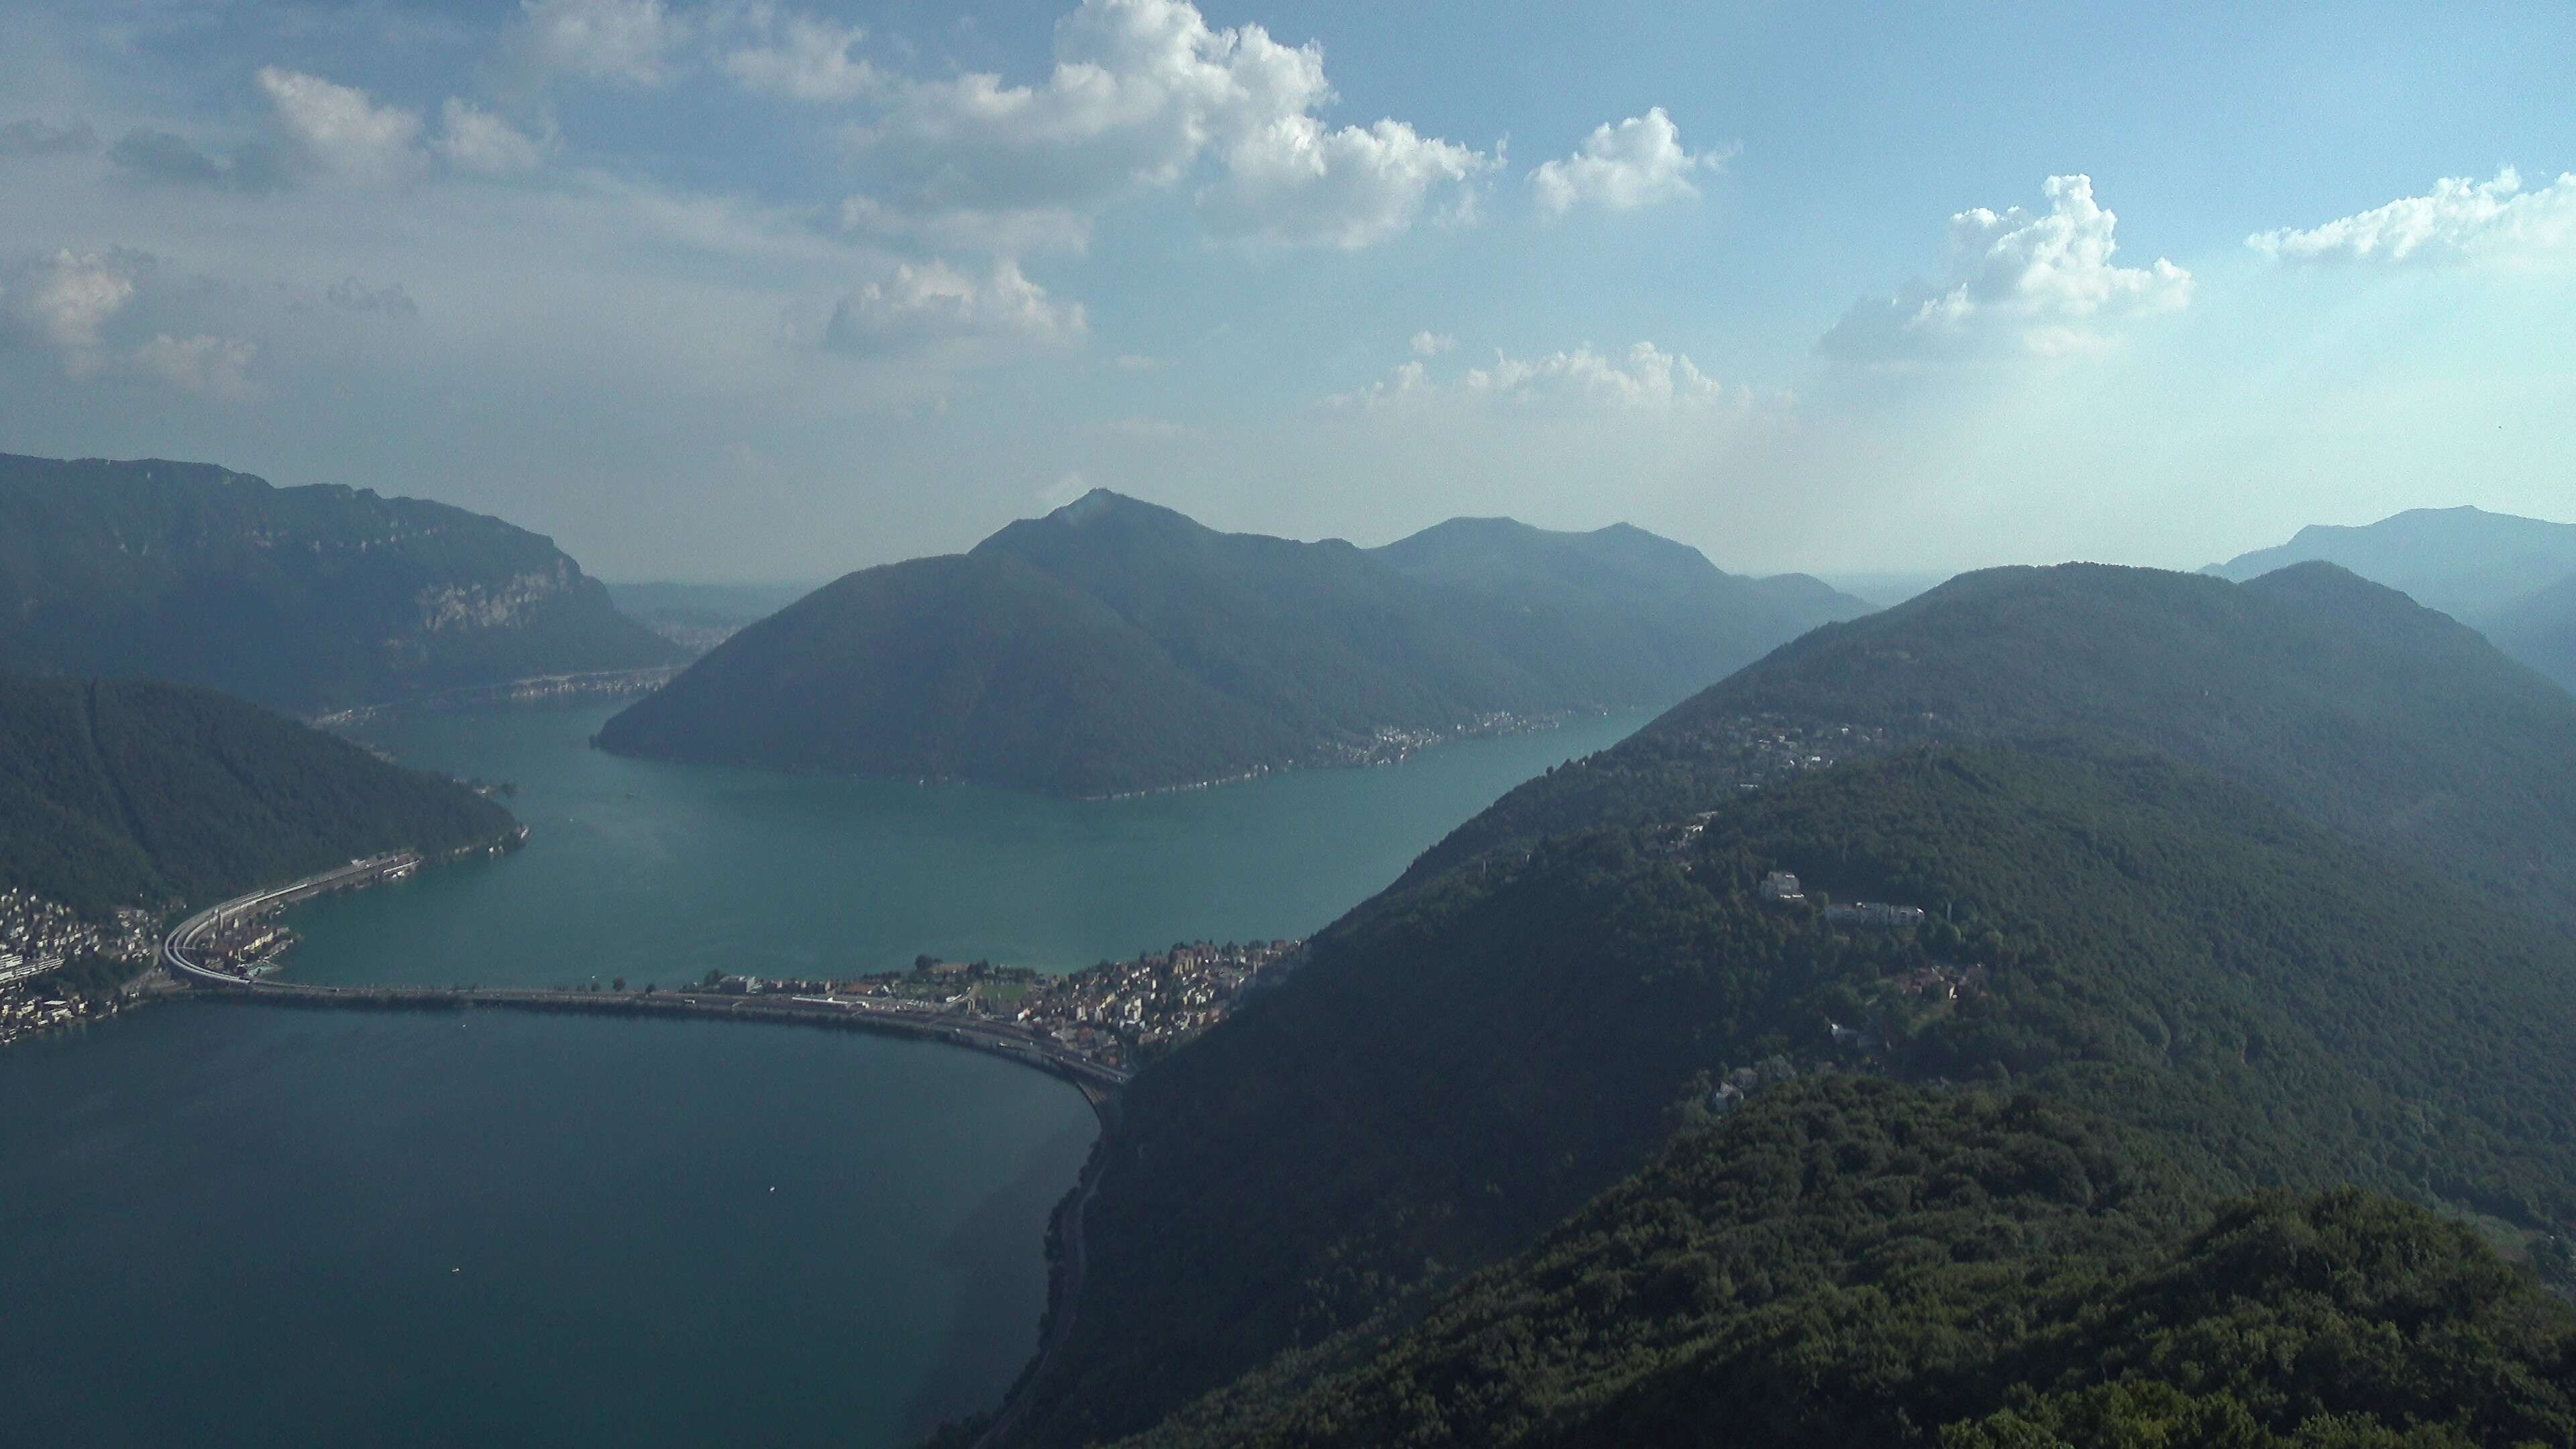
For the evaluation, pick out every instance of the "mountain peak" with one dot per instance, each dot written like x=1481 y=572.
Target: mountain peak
x=1100 y=503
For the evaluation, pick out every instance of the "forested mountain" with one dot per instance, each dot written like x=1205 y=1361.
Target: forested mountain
x=2466 y=562
x=1852 y=1262
x=1458 y=1067
x=2336 y=697
x=304 y=599
x=130 y=793
x=2540 y=630
x=1114 y=646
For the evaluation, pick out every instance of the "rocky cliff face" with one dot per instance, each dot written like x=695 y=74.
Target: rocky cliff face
x=512 y=603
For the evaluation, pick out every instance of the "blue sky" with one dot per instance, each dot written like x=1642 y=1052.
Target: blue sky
x=722 y=289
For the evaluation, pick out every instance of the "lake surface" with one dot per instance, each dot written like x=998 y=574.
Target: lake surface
x=261 y=1225
x=659 y=872
x=240 y=1224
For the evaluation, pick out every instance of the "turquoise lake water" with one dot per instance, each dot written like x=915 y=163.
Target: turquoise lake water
x=260 y=1225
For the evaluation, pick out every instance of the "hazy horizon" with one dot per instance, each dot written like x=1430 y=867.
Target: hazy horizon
x=715 y=290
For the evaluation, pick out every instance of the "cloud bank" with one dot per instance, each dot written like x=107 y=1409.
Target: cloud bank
x=2460 y=220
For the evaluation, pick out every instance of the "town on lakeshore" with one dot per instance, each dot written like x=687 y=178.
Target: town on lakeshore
x=1097 y=1024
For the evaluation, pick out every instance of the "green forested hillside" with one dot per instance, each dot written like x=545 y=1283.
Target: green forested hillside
x=125 y=793
x=1458 y=1068
x=1115 y=646
x=304 y=599
x=1851 y=1262
x=2336 y=697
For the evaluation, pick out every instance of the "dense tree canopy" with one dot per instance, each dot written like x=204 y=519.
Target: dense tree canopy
x=1853 y=1262
x=124 y=793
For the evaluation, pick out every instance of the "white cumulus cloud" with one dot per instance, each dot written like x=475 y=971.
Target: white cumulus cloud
x=1143 y=93
x=474 y=139
x=339 y=131
x=1646 y=378
x=2460 y=220
x=2037 y=282
x=802 y=58
x=627 y=42
x=1427 y=343
x=1639 y=162
x=938 y=309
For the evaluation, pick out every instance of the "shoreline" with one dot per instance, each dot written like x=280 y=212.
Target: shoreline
x=1401 y=755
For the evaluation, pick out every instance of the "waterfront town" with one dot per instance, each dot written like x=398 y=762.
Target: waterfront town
x=1117 y=1014
x=41 y=941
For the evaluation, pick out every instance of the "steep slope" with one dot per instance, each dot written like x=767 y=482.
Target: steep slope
x=303 y=599
x=1114 y=646
x=1459 y=1067
x=1850 y=1262
x=2337 y=697
x=2465 y=562
x=128 y=793
x=2540 y=630
x=951 y=668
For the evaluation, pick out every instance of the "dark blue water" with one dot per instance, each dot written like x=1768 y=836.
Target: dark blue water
x=259 y=1225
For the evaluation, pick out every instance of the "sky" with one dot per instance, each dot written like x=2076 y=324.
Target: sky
x=737 y=290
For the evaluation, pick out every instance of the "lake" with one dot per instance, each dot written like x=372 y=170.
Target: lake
x=242 y=1224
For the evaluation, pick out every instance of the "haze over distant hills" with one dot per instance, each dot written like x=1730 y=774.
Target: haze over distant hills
x=305 y=599
x=698 y=617
x=1114 y=645
x=2512 y=578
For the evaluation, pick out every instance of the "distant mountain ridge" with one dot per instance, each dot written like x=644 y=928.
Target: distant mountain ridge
x=2511 y=578
x=2336 y=696
x=1114 y=645
x=2540 y=630
x=2464 y=561
x=304 y=599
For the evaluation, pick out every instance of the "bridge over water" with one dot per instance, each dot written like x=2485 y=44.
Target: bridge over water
x=182 y=951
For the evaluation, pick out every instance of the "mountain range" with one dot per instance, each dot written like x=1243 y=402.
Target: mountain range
x=2513 y=578
x=1116 y=646
x=2211 y=911
x=304 y=599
